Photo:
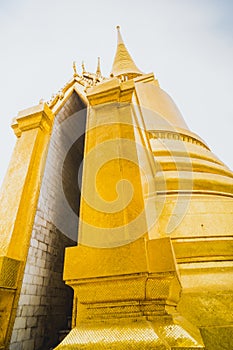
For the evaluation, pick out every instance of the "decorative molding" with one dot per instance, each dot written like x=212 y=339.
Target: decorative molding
x=173 y=135
x=39 y=116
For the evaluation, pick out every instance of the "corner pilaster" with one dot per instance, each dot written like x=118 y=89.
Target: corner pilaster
x=19 y=196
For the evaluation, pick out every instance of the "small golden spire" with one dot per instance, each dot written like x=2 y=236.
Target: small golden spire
x=123 y=64
x=83 y=68
x=75 y=69
x=98 y=70
x=119 y=37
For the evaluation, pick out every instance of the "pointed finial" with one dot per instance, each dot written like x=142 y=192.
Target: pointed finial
x=123 y=64
x=98 y=70
x=83 y=68
x=119 y=37
x=75 y=69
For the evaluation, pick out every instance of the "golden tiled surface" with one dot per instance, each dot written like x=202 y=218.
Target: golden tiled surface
x=123 y=279
x=153 y=264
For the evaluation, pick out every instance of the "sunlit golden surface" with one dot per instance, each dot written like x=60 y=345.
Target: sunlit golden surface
x=153 y=265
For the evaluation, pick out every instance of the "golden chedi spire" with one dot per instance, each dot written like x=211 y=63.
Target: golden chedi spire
x=75 y=74
x=83 y=68
x=123 y=64
x=98 y=69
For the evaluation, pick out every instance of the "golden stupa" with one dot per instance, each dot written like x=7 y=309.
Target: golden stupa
x=152 y=267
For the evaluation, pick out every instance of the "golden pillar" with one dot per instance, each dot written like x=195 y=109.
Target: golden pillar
x=125 y=279
x=19 y=198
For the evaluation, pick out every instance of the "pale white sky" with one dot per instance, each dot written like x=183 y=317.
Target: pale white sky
x=188 y=44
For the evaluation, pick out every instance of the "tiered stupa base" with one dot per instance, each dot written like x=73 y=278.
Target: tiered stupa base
x=161 y=334
x=130 y=303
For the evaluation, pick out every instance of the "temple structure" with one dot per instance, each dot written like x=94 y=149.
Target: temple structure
x=109 y=170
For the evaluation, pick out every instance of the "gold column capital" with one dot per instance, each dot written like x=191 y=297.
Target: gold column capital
x=112 y=90
x=39 y=116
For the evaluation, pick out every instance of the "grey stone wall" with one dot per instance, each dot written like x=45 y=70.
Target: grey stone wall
x=45 y=301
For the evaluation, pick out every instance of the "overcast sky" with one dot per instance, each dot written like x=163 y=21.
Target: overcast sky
x=188 y=44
